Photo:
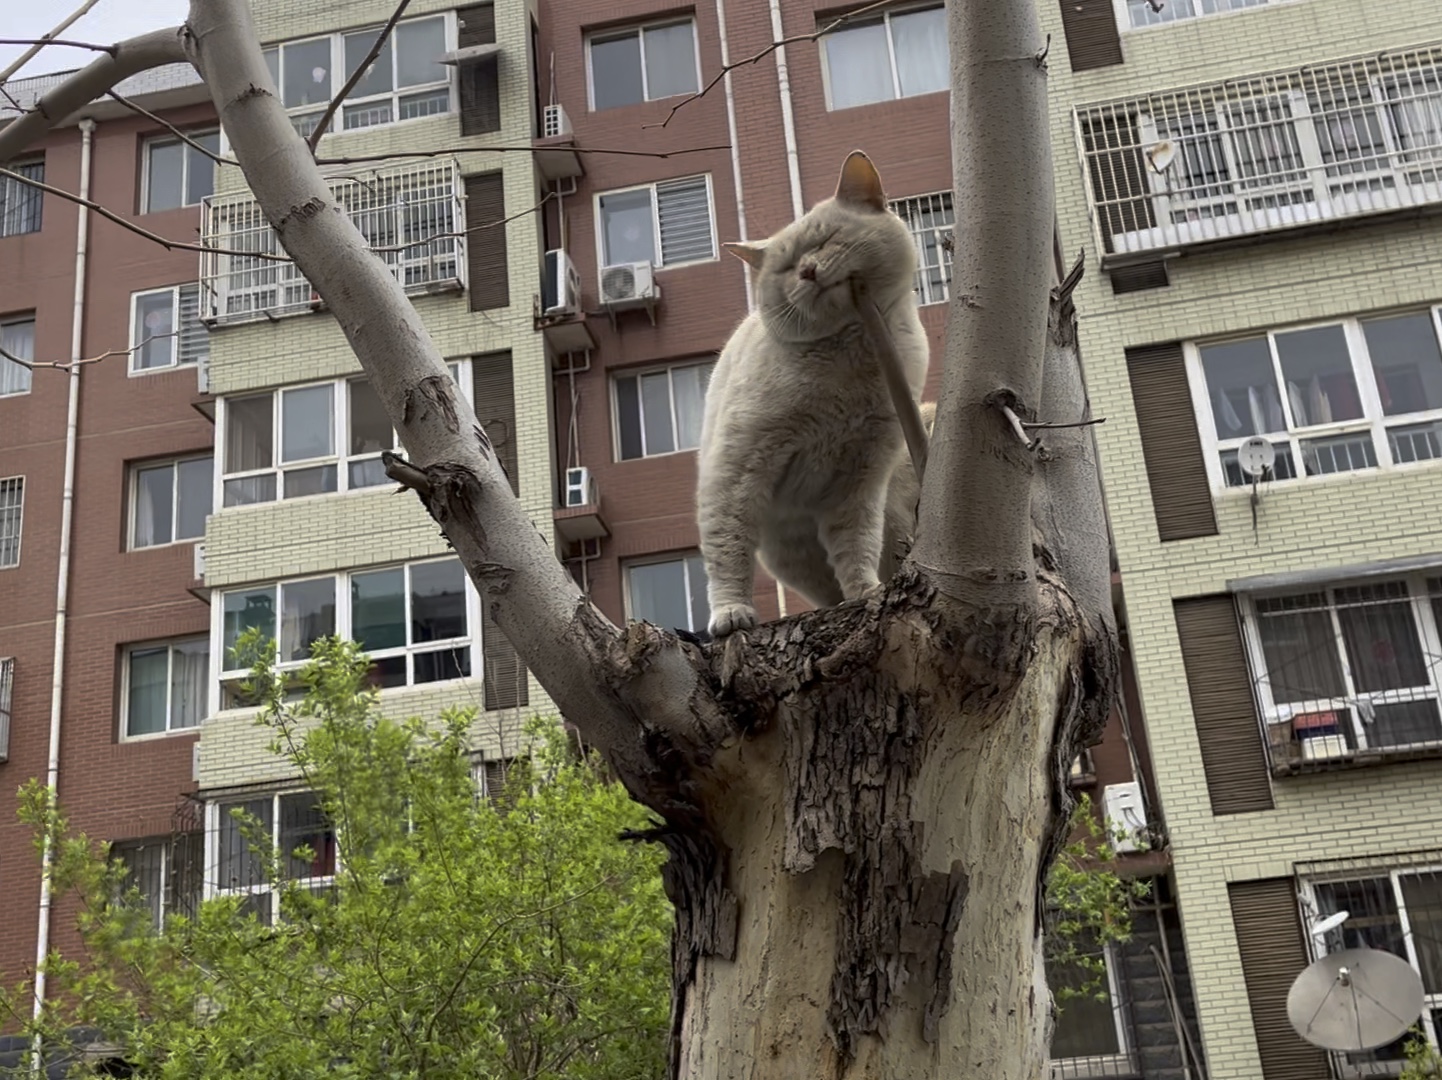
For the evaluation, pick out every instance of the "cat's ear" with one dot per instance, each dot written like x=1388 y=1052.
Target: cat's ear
x=749 y=251
x=860 y=183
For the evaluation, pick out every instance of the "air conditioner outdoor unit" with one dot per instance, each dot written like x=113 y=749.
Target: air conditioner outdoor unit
x=1126 y=816
x=628 y=285
x=580 y=488
x=561 y=287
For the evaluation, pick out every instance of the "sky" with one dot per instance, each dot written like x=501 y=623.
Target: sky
x=106 y=22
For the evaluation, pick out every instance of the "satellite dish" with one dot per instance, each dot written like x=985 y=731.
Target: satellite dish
x=1161 y=155
x=1256 y=456
x=1331 y=922
x=1355 y=1000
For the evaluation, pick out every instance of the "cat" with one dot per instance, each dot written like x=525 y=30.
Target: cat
x=799 y=437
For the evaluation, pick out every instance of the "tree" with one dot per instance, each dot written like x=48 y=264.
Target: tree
x=882 y=784
x=510 y=937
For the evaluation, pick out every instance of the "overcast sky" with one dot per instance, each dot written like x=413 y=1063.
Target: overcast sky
x=107 y=21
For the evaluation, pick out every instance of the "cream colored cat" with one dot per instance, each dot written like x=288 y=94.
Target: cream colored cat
x=800 y=438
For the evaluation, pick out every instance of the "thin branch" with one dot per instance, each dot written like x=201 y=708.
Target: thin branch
x=360 y=159
x=356 y=75
x=465 y=232
x=1017 y=426
x=45 y=39
x=764 y=53
x=110 y=50
x=66 y=365
x=110 y=215
x=1079 y=423
x=182 y=136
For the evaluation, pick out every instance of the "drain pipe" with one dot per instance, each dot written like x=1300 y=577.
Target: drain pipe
x=788 y=118
x=735 y=147
x=62 y=585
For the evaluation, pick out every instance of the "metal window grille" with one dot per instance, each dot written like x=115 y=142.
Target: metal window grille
x=20 y=203
x=930 y=219
x=12 y=503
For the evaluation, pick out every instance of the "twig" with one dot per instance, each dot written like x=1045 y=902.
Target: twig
x=66 y=365
x=764 y=53
x=109 y=215
x=355 y=76
x=360 y=159
x=45 y=39
x=182 y=136
x=464 y=232
x=907 y=411
x=1017 y=426
x=1029 y=426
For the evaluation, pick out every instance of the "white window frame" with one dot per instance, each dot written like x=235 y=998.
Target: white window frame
x=638 y=374
x=340 y=421
x=661 y=560
x=639 y=29
x=29 y=374
x=602 y=264
x=136 y=468
x=177 y=336
x=1429 y=637
x=214 y=888
x=1117 y=1064
x=18 y=484
x=169 y=645
x=224 y=678
x=886 y=15
x=1124 y=16
x=925 y=293
x=1373 y=422
x=304 y=117
x=185 y=158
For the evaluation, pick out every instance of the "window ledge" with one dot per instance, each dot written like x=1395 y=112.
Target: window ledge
x=1294 y=765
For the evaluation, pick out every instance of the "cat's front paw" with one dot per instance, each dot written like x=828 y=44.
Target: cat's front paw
x=729 y=618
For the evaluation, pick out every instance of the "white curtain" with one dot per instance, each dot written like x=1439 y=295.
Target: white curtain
x=18 y=339
x=189 y=675
x=923 y=61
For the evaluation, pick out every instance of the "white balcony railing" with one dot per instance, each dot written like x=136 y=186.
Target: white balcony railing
x=1265 y=152
x=412 y=217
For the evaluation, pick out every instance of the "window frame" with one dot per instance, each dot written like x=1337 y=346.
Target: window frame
x=169 y=644
x=19 y=509
x=134 y=469
x=946 y=262
x=1374 y=422
x=617 y=33
x=1118 y=1064
x=177 y=336
x=16 y=185
x=602 y=264
x=212 y=887
x=660 y=559
x=188 y=153
x=886 y=15
x=17 y=320
x=638 y=374
x=163 y=905
x=1122 y=9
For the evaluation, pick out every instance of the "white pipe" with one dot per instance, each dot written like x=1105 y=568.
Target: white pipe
x=788 y=119
x=735 y=147
x=62 y=585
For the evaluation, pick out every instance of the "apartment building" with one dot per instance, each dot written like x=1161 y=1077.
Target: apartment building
x=1255 y=181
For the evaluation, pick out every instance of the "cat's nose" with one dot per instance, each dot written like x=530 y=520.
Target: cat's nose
x=807 y=272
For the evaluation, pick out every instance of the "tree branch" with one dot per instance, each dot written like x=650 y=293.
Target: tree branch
x=356 y=75
x=66 y=365
x=360 y=159
x=41 y=42
x=44 y=40
x=974 y=528
x=168 y=126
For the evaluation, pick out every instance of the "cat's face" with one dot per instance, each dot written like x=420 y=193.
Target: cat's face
x=804 y=272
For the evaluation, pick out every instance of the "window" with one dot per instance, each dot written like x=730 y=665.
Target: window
x=896 y=54
x=415 y=620
x=7 y=686
x=171 y=501
x=1090 y=1038
x=1355 y=394
x=670 y=594
x=166 y=685
x=1141 y=13
x=930 y=219
x=663 y=224
x=176 y=173
x=167 y=871
x=406 y=80
x=165 y=329
x=17 y=337
x=1398 y=911
x=643 y=64
x=283 y=444
x=293 y=822
x=12 y=503
x=19 y=202
x=659 y=412
x=1348 y=669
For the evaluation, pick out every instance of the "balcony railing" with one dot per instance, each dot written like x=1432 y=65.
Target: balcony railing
x=1265 y=152
x=412 y=217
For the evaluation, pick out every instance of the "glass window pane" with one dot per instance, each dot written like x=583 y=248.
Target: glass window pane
x=251 y=490
x=670 y=60
x=189 y=682
x=307 y=73
x=368 y=473
x=616 y=72
x=377 y=79
x=628 y=418
x=446 y=664
x=923 y=60
x=656 y=412
x=200 y=170
x=1243 y=388
x=378 y=609
x=1300 y=648
x=1407 y=362
x=249 y=435
x=241 y=864
x=307 y=612
x=165 y=179
x=1422 y=897
x=303 y=824
x=419 y=46
x=1383 y=648
x=246 y=610
x=1317 y=368
x=370 y=427
x=307 y=423
x=149 y=672
x=154 y=492
x=17 y=338
x=193 y=481
x=386 y=672
x=272 y=61
x=1086 y=1025
x=154 y=339
x=627 y=227
x=438 y=601
x=858 y=66
x=688 y=384
x=696 y=583
x=658 y=593
x=316 y=481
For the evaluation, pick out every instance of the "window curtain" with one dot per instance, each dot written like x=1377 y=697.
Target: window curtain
x=189 y=677
x=923 y=60
x=146 y=713
x=18 y=339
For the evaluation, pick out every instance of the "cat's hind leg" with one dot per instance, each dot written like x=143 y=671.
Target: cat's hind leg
x=852 y=533
x=793 y=553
